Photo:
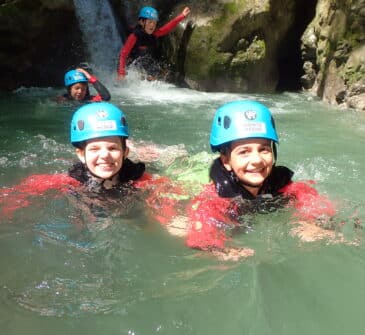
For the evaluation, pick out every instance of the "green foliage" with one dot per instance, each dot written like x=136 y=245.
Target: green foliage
x=204 y=57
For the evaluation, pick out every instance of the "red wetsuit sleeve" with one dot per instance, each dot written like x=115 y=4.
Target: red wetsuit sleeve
x=163 y=196
x=207 y=215
x=125 y=52
x=103 y=93
x=308 y=202
x=18 y=196
x=169 y=26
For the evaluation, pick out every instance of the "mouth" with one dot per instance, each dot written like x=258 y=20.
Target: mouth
x=105 y=166
x=256 y=171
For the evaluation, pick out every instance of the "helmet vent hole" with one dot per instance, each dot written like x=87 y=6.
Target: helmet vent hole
x=219 y=121
x=123 y=121
x=80 y=124
x=226 y=122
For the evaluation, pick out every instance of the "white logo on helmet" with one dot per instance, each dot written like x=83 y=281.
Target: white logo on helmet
x=250 y=115
x=102 y=114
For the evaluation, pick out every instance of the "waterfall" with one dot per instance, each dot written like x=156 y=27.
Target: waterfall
x=100 y=33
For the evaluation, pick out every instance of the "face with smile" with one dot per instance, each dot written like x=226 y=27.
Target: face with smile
x=78 y=91
x=251 y=160
x=149 y=26
x=103 y=156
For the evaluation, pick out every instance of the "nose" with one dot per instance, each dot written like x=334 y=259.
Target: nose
x=255 y=157
x=104 y=153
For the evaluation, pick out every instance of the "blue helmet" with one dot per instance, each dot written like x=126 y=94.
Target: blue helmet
x=97 y=119
x=148 y=13
x=73 y=77
x=239 y=120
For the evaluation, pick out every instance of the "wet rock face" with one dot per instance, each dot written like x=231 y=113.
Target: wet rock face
x=333 y=50
x=40 y=39
x=235 y=46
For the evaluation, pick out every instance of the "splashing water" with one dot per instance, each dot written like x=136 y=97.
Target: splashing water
x=129 y=275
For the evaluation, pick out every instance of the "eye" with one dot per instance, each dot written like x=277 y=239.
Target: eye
x=266 y=149
x=243 y=152
x=114 y=148
x=92 y=149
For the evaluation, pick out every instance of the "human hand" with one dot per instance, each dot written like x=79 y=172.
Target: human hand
x=87 y=74
x=186 y=11
x=178 y=226
x=147 y=153
x=310 y=232
x=233 y=254
x=121 y=77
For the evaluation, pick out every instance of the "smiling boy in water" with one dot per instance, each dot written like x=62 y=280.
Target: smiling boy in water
x=246 y=179
x=99 y=132
x=104 y=177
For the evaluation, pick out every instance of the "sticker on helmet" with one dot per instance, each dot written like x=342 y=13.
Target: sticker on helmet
x=105 y=125
x=78 y=76
x=81 y=124
x=254 y=127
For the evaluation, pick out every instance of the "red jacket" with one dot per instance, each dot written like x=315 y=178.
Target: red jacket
x=209 y=213
x=158 y=190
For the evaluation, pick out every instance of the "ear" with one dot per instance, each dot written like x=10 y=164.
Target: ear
x=126 y=152
x=226 y=162
x=80 y=154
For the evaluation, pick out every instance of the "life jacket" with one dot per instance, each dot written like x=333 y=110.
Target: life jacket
x=228 y=186
x=130 y=171
x=145 y=45
x=120 y=199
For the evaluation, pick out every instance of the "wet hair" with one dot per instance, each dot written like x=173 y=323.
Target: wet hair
x=226 y=149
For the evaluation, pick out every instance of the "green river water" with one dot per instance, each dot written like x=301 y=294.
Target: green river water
x=131 y=277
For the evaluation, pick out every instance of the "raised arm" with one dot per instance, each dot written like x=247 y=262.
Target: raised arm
x=171 y=25
x=103 y=93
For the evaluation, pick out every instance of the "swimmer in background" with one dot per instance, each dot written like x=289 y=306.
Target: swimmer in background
x=142 y=42
x=77 y=85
